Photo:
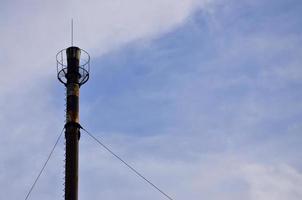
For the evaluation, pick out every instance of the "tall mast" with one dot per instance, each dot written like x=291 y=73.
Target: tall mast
x=73 y=71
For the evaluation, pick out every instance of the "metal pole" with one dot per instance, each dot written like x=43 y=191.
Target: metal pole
x=72 y=132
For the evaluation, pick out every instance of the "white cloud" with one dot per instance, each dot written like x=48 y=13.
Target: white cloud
x=31 y=36
x=273 y=182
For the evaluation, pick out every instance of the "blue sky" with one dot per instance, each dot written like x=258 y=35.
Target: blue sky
x=203 y=97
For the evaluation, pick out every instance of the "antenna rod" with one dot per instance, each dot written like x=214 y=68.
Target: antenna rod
x=71 y=32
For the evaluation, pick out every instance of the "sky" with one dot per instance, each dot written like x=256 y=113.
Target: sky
x=203 y=97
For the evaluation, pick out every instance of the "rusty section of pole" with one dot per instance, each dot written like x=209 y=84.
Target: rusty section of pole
x=72 y=132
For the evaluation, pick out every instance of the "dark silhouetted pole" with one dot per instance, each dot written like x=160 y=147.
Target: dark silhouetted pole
x=72 y=72
x=72 y=133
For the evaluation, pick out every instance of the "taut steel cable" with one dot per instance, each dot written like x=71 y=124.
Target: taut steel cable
x=128 y=165
x=45 y=164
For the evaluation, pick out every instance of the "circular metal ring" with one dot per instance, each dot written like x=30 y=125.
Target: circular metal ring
x=84 y=66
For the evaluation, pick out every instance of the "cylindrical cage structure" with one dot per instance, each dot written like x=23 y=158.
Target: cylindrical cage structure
x=84 y=66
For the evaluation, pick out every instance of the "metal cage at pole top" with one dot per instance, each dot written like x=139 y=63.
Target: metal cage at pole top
x=84 y=66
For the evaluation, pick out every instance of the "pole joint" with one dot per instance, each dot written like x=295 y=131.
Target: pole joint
x=72 y=128
x=73 y=124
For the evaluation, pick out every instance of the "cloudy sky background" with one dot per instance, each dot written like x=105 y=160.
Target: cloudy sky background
x=202 y=97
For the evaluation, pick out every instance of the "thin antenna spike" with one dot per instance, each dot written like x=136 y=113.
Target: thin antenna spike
x=71 y=32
